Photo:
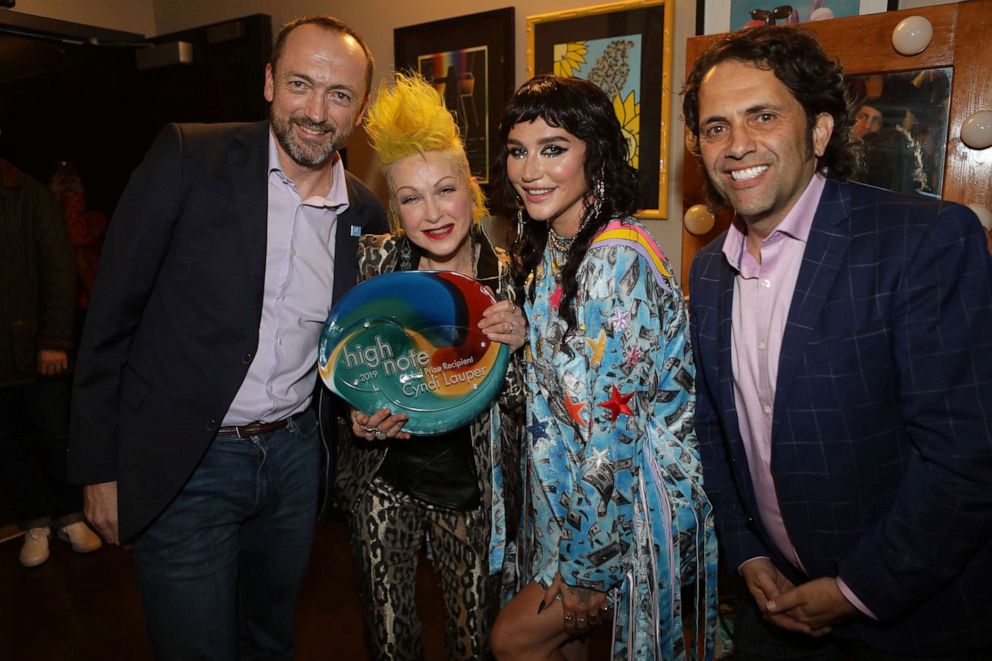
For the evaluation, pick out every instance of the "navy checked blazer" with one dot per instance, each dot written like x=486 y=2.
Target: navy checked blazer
x=882 y=421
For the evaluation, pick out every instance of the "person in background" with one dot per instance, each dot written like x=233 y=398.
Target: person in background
x=890 y=158
x=454 y=491
x=616 y=520
x=840 y=334
x=37 y=301
x=869 y=118
x=87 y=228
x=192 y=425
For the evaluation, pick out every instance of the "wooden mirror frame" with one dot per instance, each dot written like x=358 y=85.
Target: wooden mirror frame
x=863 y=45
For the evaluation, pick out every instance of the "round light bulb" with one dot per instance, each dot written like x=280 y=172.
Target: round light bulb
x=912 y=35
x=698 y=219
x=984 y=215
x=976 y=131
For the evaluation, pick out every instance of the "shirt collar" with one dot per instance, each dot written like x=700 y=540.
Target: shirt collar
x=796 y=224
x=336 y=198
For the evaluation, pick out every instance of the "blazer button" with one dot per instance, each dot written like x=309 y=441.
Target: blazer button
x=246 y=359
x=211 y=425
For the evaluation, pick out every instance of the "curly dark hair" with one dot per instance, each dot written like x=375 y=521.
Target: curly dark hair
x=584 y=110
x=797 y=60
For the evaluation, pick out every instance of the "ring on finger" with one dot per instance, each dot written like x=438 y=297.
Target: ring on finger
x=379 y=434
x=581 y=621
x=569 y=618
x=368 y=429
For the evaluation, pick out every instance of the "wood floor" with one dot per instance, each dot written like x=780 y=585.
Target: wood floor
x=86 y=607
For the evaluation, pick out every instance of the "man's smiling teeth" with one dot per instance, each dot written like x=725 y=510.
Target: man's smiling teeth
x=747 y=173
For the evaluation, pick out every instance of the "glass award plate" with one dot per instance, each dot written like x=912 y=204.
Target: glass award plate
x=410 y=342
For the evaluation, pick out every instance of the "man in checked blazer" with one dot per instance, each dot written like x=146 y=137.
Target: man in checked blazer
x=843 y=344
x=192 y=427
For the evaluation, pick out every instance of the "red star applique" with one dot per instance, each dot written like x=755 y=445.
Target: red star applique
x=617 y=404
x=575 y=409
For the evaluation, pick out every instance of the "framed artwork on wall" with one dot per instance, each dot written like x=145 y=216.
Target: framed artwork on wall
x=715 y=16
x=626 y=49
x=469 y=60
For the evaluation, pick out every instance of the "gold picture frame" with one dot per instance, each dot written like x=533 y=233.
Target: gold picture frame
x=629 y=49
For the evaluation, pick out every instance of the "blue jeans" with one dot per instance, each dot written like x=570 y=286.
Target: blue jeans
x=221 y=568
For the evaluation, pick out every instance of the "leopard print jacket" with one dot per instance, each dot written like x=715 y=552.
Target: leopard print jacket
x=496 y=433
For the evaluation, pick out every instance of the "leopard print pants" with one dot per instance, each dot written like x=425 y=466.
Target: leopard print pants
x=388 y=530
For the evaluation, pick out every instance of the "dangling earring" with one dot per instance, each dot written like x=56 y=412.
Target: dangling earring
x=520 y=215
x=406 y=258
x=599 y=192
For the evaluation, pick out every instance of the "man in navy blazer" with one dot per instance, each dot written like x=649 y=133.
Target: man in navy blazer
x=843 y=344
x=192 y=425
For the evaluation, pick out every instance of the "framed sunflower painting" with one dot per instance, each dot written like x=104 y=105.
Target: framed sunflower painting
x=469 y=60
x=626 y=49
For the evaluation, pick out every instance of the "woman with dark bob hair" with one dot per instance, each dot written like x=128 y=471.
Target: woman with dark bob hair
x=615 y=518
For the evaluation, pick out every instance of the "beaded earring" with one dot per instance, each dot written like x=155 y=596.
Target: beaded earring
x=406 y=258
x=599 y=192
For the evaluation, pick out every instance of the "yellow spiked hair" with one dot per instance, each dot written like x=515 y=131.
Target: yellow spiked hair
x=408 y=119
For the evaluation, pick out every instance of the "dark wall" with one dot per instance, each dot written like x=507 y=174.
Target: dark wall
x=90 y=104
x=65 y=101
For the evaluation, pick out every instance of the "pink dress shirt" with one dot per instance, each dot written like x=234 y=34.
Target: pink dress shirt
x=764 y=288
x=299 y=281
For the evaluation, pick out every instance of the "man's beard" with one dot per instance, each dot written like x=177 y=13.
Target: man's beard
x=308 y=154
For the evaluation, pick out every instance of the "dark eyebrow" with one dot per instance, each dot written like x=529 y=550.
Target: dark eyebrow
x=761 y=107
x=713 y=119
x=541 y=141
x=751 y=110
x=312 y=82
x=295 y=74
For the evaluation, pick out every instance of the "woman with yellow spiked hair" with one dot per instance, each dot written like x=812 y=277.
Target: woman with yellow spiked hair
x=455 y=491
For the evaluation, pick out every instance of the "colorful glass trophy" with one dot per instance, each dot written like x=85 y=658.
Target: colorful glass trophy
x=410 y=342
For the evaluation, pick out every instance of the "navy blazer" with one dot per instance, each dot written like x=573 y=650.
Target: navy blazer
x=173 y=324
x=882 y=421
